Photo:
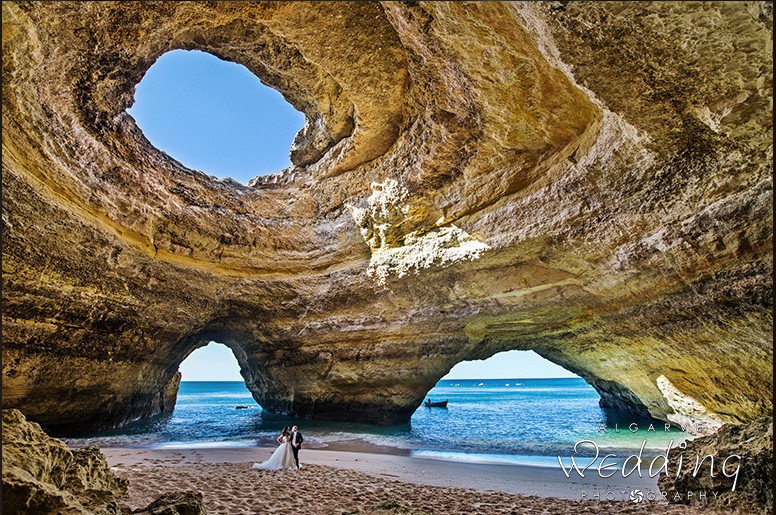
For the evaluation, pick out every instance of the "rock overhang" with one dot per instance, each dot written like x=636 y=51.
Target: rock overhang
x=467 y=160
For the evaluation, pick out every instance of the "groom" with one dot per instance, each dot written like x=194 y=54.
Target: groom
x=296 y=443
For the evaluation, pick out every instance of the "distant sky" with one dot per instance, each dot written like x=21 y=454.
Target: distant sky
x=508 y=365
x=215 y=116
x=215 y=362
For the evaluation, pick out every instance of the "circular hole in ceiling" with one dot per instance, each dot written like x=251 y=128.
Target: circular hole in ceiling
x=215 y=116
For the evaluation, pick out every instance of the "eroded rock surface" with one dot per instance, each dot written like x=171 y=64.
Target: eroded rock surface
x=592 y=181
x=41 y=475
x=742 y=461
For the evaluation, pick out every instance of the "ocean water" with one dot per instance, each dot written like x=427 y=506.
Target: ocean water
x=530 y=421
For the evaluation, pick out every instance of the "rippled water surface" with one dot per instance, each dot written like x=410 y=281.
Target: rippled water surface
x=503 y=420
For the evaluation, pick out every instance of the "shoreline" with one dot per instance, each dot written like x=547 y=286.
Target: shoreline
x=356 y=443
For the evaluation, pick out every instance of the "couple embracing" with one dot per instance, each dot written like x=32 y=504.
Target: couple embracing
x=287 y=455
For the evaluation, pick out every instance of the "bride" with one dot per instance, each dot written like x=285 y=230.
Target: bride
x=283 y=457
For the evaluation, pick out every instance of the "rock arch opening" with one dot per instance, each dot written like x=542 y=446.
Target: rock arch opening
x=614 y=403
x=215 y=116
x=537 y=408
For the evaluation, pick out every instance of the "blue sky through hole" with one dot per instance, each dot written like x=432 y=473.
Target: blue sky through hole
x=215 y=362
x=215 y=116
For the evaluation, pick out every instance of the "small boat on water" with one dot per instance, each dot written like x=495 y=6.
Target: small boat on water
x=430 y=404
x=241 y=407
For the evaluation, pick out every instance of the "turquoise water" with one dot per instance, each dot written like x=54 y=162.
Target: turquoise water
x=500 y=421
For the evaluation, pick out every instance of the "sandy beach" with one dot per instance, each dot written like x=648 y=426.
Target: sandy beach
x=339 y=482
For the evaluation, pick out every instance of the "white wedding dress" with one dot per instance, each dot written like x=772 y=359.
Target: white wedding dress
x=282 y=458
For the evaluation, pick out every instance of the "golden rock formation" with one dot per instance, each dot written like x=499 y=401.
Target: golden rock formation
x=591 y=181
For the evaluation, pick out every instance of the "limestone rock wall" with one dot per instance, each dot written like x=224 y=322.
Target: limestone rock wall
x=41 y=475
x=592 y=181
x=742 y=461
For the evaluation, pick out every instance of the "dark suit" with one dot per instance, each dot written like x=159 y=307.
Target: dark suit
x=295 y=448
